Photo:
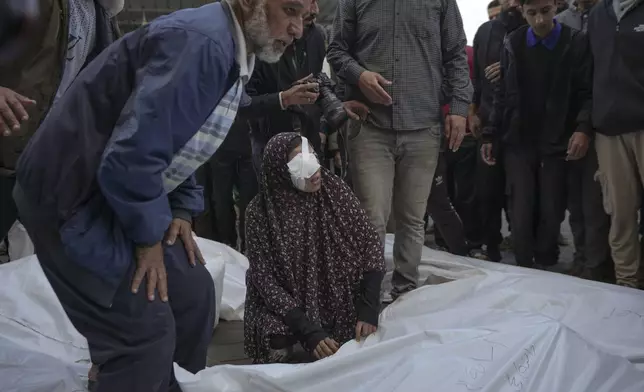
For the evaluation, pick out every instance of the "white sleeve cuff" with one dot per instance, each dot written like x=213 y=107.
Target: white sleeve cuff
x=281 y=102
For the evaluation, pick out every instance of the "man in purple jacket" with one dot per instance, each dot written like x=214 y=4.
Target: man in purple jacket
x=106 y=187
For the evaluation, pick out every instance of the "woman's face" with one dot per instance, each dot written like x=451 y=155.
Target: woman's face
x=313 y=183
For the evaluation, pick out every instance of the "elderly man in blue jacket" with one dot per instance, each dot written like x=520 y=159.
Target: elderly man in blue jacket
x=106 y=187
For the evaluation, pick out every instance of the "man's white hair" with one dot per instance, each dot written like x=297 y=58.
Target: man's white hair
x=258 y=34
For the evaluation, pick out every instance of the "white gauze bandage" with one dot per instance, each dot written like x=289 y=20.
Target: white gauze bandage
x=303 y=166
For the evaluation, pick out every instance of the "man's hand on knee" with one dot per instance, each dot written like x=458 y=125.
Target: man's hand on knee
x=149 y=263
x=183 y=229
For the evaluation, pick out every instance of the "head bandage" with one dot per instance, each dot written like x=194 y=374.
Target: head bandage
x=303 y=166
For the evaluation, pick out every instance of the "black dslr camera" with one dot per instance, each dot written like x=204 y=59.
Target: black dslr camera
x=332 y=108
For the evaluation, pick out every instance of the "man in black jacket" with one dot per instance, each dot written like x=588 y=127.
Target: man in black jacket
x=541 y=117
x=589 y=222
x=616 y=31
x=230 y=169
x=282 y=97
x=488 y=43
x=494 y=9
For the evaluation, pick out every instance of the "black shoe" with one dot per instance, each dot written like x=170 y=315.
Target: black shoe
x=494 y=253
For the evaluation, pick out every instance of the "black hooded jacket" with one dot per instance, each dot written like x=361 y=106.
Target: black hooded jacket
x=618 y=52
x=487 y=46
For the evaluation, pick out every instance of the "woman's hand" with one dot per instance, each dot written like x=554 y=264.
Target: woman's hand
x=326 y=348
x=364 y=329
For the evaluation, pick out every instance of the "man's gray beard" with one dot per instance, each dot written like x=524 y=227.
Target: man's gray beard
x=258 y=33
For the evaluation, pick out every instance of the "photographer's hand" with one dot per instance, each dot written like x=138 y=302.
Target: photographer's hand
x=371 y=83
x=300 y=94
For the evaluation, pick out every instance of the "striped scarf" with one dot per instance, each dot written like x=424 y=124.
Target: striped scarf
x=206 y=141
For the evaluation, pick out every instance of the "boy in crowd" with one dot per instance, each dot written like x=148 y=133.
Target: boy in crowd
x=488 y=43
x=541 y=117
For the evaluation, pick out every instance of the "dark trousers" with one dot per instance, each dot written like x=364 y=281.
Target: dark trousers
x=491 y=184
x=461 y=175
x=8 y=210
x=205 y=225
x=229 y=170
x=135 y=341
x=589 y=222
x=537 y=192
x=445 y=217
x=257 y=147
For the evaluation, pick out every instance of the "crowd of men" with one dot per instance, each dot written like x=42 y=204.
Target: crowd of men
x=106 y=144
x=532 y=173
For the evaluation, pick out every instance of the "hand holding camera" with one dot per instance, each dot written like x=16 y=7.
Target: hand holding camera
x=318 y=89
x=303 y=92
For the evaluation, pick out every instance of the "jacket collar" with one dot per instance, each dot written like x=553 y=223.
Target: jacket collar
x=549 y=41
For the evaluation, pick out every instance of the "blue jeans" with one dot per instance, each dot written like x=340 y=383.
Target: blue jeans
x=395 y=166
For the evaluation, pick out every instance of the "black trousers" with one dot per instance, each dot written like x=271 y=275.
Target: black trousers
x=205 y=224
x=439 y=207
x=134 y=342
x=8 y=210
x=462 y=187
x=230 y=170
x=537 y=188
x=491 y=184
x=589 y=222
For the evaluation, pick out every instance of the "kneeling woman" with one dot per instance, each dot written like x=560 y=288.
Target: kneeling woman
x=316 y=263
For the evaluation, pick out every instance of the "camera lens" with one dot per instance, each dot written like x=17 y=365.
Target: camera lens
x=331 y=106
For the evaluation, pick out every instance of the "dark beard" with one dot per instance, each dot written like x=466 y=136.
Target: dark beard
x=512 y=19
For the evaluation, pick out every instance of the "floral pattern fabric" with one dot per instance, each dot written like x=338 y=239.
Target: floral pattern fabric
x=307 y=251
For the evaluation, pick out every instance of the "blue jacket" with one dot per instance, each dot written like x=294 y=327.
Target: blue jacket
x=97 y=169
